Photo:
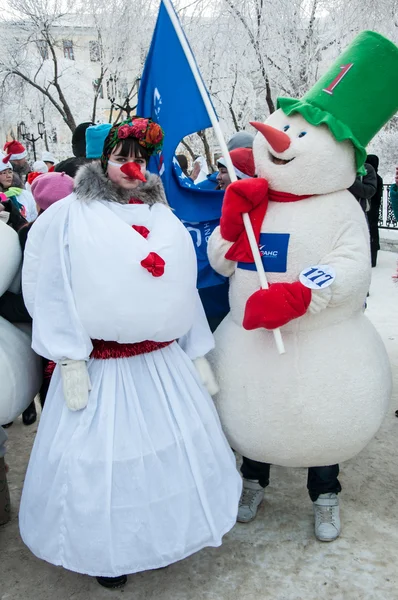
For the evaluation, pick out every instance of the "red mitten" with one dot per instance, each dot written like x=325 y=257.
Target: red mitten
x=278 y=305
x=133 y=171
x=241 y=197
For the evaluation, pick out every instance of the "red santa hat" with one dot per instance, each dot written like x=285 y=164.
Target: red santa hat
x=16 y=150
x=243 y=161
x=4 y=162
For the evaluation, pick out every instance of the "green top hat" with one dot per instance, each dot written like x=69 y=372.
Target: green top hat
x=357 y=95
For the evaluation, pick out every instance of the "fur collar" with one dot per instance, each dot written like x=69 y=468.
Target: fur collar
x=91 y=184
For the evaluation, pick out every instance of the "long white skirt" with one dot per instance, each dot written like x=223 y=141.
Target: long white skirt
x=141 y=478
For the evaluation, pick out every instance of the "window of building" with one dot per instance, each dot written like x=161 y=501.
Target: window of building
x=94 y=50
x=42 y=48
x=68 y=49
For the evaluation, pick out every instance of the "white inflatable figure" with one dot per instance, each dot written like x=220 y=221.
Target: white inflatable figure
x=324 y=400
x=20 y=374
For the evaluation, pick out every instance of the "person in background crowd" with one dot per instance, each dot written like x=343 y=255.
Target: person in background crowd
x=200 y=170
x=95 y=138
x=70 y=166
x=394 y=195
x=215 y=298
x=241 y=139
x=22 y=199
x=79 y=139
x=243 y=162
x=374 y=210
x=46 y=189
x=364 y=187
x=18 y=158
x=183 y=162
x=49 y=159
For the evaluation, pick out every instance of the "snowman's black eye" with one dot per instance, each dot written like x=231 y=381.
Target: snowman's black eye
x=286 y=127
x=302 y=133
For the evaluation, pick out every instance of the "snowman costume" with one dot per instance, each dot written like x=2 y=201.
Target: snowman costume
x=20 y=371
x=322 y=401
x=143 y=475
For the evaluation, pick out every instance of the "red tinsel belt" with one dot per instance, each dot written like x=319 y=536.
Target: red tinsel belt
x=104 y=350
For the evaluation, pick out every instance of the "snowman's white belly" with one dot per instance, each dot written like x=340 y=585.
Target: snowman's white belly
x=20 y=371
x=318 y=404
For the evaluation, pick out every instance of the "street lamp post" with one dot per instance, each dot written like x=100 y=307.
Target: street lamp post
x=29 y=137
x=111 y=88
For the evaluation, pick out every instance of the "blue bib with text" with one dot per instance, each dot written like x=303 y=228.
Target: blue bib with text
x=273 y=249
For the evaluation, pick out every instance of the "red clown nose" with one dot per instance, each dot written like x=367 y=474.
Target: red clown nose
x=278 y=140
x=133 y=171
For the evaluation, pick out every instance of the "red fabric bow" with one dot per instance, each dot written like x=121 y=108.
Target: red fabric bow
x=142 y=230
x=154 y=264
x=133 y=171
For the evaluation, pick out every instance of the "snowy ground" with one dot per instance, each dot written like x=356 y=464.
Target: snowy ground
x=275 y=557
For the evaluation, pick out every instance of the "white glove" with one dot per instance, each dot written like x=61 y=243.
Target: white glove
x=76 y=383
x=206 y=375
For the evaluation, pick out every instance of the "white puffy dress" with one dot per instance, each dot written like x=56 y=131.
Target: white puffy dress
x=143 y=476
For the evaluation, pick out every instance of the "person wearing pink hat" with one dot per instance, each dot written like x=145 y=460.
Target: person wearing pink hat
x=49 y=188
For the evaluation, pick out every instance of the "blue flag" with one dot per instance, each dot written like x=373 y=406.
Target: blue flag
x=169 y=94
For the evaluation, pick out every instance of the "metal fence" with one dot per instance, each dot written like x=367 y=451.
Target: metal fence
x=386 y=214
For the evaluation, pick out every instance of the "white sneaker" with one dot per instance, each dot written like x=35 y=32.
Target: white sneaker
x=327 y=517
x=250 y=500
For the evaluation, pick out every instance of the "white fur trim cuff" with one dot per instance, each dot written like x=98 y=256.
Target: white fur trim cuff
x=23 y=154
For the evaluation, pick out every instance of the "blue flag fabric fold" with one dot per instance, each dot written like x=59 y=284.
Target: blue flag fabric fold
x=170 y=96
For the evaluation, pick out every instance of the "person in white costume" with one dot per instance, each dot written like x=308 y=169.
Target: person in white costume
x=130 y=469
x=322 y=401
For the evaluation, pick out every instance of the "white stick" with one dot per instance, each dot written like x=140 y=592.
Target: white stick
x=231 y=171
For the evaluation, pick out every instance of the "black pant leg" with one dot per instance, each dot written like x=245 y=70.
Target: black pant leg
x=323 y=480
x=258 y=471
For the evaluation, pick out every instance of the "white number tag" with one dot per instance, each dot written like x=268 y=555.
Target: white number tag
x=317 y=277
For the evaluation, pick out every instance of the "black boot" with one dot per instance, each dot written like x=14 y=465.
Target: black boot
x=29 y=415
x=112 y=582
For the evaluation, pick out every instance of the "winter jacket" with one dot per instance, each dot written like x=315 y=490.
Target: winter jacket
x=210 y=183
x=364 y=187
x=12 y=306
x=394 y=199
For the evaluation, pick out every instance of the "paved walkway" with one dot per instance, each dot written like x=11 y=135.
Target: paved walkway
x=276 y=556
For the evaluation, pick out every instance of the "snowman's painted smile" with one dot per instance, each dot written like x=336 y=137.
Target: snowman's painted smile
x=279 y=161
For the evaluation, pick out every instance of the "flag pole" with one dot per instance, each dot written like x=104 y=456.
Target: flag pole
x=231 y=171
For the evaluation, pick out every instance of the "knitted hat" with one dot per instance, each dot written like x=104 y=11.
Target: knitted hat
x=4 y=162
x=243 y=161
x=356 y=96
x=40 y=166
x=95 y=137
x=16 y=150
x=48 y=157
x=51 y=187
x=241 y=139
x=79 y=139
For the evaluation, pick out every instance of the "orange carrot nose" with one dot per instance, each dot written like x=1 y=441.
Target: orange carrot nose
x=133 y=171
x=278 y=140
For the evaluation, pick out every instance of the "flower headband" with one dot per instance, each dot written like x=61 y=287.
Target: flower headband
x=148 y=134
